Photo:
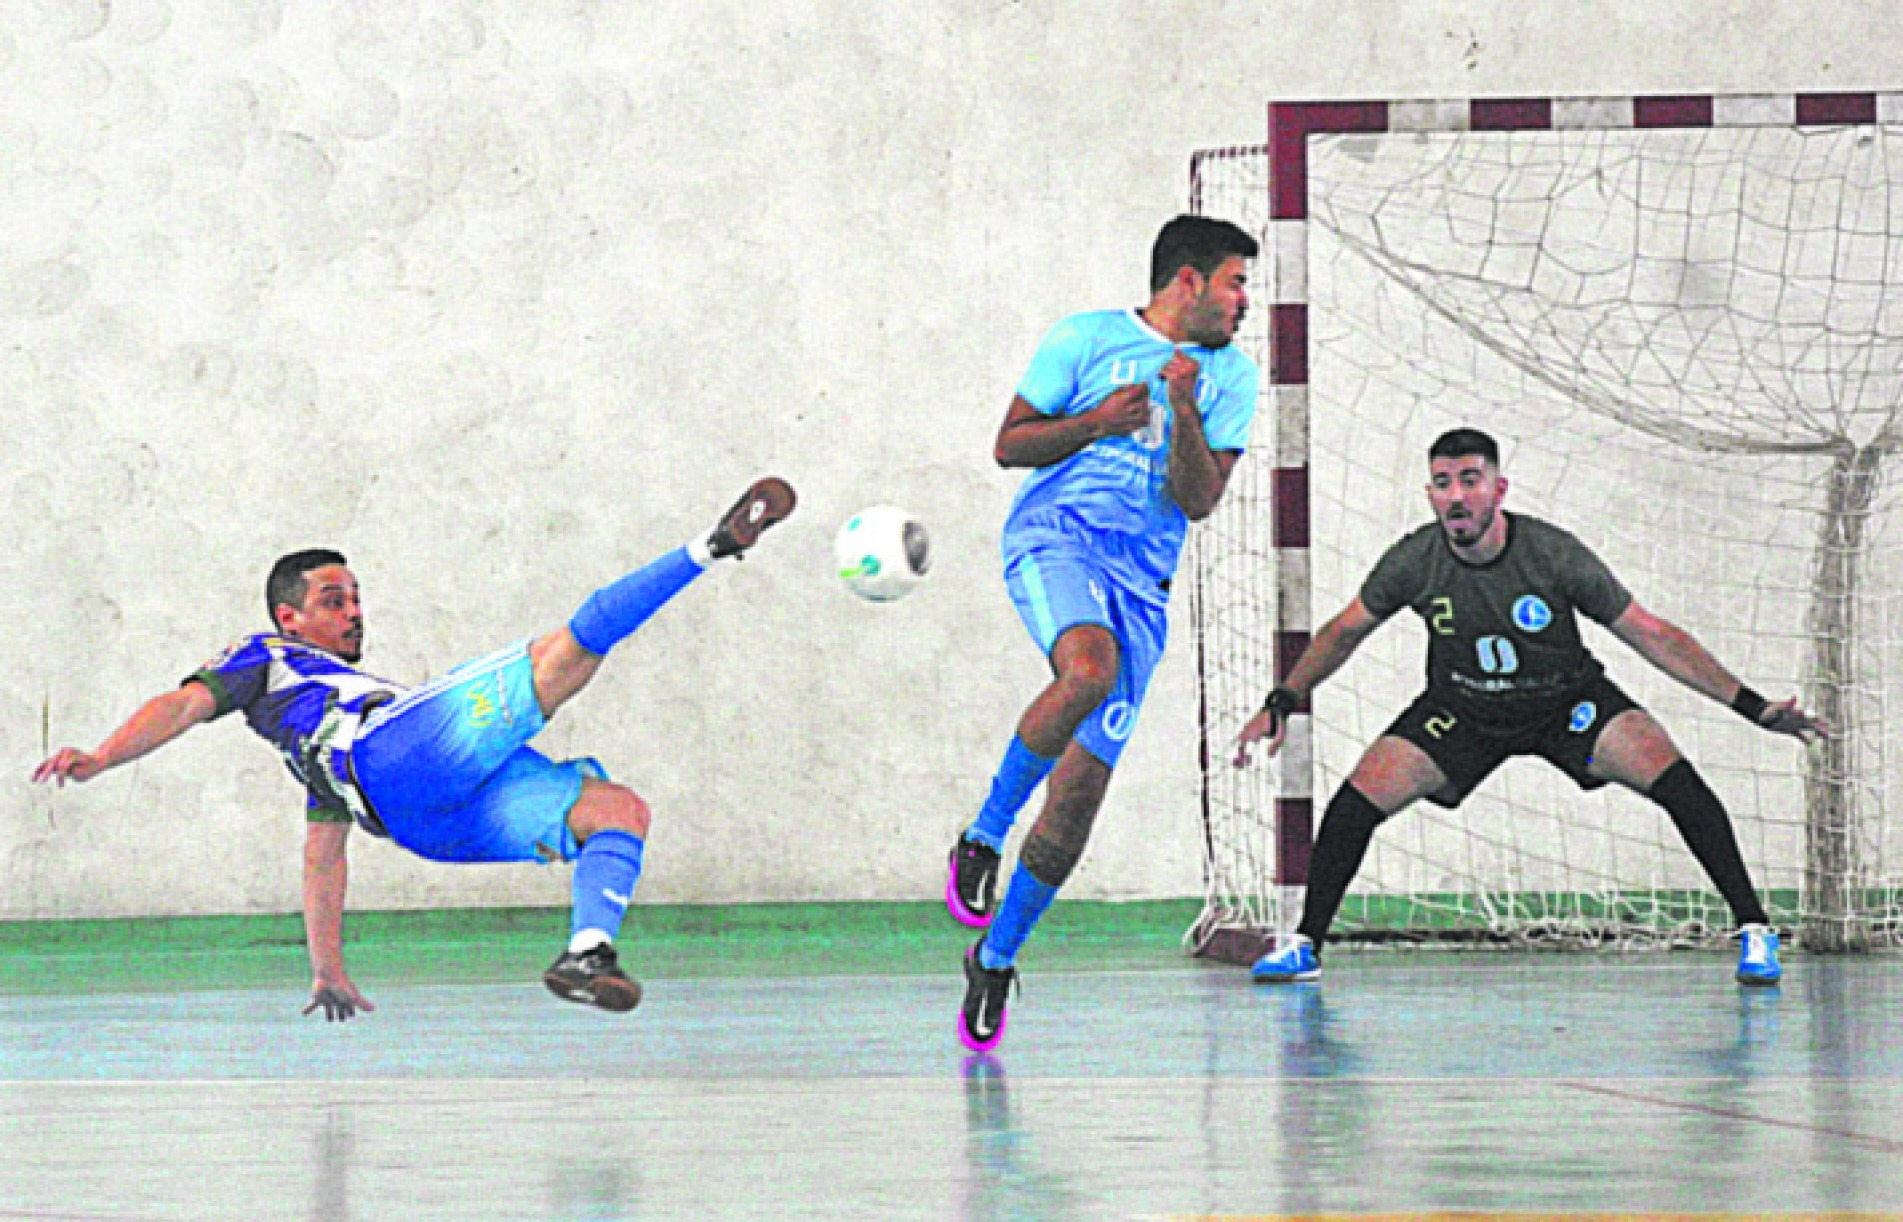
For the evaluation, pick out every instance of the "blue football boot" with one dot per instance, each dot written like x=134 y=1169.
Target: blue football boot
x=1292 y=960
x=1757 y=956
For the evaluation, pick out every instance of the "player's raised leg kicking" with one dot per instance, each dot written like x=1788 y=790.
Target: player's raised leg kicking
x=443 y=770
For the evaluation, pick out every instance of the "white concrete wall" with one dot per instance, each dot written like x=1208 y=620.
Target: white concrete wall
x=503 y=299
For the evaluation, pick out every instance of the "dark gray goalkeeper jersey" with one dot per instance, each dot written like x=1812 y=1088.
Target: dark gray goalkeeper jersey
x=1503 y=639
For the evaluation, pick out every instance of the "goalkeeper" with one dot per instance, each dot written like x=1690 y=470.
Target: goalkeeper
x=1507 y=675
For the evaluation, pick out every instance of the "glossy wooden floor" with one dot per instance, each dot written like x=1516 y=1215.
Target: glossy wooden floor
x=1407 y=1083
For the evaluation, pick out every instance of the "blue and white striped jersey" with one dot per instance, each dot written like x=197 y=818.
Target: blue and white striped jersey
x=309 y=704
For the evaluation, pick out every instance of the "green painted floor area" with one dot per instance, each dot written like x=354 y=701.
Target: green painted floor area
x=501 y=945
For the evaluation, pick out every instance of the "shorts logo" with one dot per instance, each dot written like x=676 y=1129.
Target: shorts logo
x=1096 y=592
x=1118 y=720
x=482 y=709
x=1584 y=714
x=1531 y=613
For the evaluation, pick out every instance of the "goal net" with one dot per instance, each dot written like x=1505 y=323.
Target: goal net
x=1683 y=320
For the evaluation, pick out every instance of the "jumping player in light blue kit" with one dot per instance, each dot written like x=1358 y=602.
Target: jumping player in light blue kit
x=443 y=770
x=1132 y=421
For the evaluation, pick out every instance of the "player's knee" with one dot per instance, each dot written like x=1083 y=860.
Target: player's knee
x=610 y=806
x=1091 y=672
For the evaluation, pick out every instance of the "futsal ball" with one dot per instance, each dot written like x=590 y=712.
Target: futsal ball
x=883 y=553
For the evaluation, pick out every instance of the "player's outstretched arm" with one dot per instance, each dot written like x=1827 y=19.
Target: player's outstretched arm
x=1327 y=653
x=1029 y=438
x=158 y=721
x=326 y=878
x=1677 y=653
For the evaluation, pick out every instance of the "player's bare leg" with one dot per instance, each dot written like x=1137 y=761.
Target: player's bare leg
x=1084 y=660
x=1635 y=751
x=1392 y=775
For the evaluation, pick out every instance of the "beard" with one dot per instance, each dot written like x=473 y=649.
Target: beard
x=1207 y=328
x=1467 y=531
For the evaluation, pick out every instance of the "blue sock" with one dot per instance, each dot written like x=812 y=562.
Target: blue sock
x=1018 y=776
x=1024 y=903
x=613 y=612
x=605 y=873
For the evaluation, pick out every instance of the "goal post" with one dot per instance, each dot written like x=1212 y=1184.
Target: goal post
x=1683 y=319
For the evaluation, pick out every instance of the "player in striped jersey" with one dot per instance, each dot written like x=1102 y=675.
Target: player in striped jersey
x=443 y=770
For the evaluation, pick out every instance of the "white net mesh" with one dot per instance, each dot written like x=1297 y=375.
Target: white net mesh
x=1690 y=346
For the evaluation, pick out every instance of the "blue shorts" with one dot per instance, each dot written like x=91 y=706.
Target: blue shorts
x=447 y=770
x=1058 y=586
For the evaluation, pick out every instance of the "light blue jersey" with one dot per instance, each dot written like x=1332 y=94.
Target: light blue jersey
x=1117 y=488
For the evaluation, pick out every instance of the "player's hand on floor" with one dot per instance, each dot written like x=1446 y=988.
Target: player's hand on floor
x=1124 y=410
x=340 y=1001
x=70 y=763
x=1784 y=717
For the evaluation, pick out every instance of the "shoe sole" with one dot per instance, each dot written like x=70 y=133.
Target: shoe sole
x=769 y=502
x=614 y=996
x=955 y=903
x=1285 y=977
x=1758 y=982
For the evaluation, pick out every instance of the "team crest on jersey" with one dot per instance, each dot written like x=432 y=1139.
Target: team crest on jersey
x=1531 y=613
x=1584 y=714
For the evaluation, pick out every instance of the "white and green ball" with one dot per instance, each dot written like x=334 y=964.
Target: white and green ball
x=883 y=553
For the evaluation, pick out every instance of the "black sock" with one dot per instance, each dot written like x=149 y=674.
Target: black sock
x=1347 y=827
x=1702 y=821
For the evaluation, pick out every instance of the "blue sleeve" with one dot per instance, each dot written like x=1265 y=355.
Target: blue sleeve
x=1050 y=384
x=1226 y=425
x=235 y=677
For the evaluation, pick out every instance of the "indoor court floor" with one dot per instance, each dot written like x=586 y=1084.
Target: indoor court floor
x=1406 y=1082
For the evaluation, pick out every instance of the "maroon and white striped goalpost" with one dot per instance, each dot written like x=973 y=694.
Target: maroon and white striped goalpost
x=1252 y=586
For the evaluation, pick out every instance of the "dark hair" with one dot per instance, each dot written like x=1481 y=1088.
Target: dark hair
x=1464 y=443
x=287 y=582
x=1201 y=242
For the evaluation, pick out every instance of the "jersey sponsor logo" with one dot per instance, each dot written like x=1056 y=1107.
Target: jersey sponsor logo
x=1497 y=655
x=1531 y=613
x=1584 y=714
x=1119 y=718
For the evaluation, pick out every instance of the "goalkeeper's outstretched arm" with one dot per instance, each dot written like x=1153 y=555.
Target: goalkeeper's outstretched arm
x=1677 y=653
x=1330 y=649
